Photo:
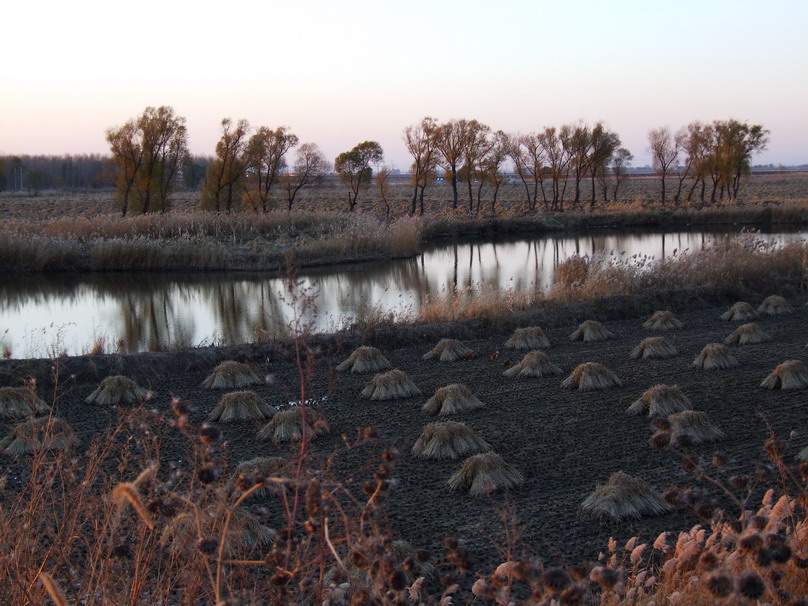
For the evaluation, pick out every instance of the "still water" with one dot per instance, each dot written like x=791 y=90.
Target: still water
x=46 y=315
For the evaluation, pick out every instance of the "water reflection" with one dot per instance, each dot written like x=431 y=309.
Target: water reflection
x=46 y=314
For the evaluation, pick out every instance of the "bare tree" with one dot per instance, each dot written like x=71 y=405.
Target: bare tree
x=476 y=146
x=309 y=168
x=382 y=181
x=621 y=162
x=664 y=153
x=353 y=168
x=604 y=143
x=450 y=140
x=420 y=140
x=265 y=160
x=737 y=141
x=491 y=167
x=556 y=146
x=224 y=178
x=528 y=156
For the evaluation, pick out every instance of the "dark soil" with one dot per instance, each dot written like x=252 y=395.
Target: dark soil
x=564 y=442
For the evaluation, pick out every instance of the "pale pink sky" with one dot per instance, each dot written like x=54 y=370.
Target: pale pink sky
x=339 y=73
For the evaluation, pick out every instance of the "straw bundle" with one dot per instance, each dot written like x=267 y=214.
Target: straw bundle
x=448 y=440
x=660 y=401
x=803 y=455
x=715 y=356
x=775 y=305
x=287 y=425
x=740 y=312
x=17 y=402
x=256 y=470
x=241 y=406
x=747 y=334
x=623 y=497
x=450 y=400
x=534 y=364
x=449 y=350
x=484 y=473
x=591 y=330
x=231 y=375
x=662 y=320
x=118 y=390
x=591 y=375
x=654 y=348
x=45 y=433
x=182 y=534
x=365 y=359
x=694 y=424
x=391 y=385
x=531 y=337
x=791 y=374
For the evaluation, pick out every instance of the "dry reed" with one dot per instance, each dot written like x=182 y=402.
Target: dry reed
x=449 y=350
x=452 y=399
x=775 y=305
x=740 y=312
x=591 y=330
x=393 y=384
x=715 y=356
x=483 y=474
x=365 y=359
x=534 y=364
x=623 y=497
x=118 y=390
x=241 y=406
x=694 y=424
x=660 y=401
x=589 y=376
x=35 y=435
x=17 y=402
x=231 y=375
x=791 y=374
x=287 y=425
x=654 y=348
x=530 y=337
x=747 y=334
x=662 y=320
x=448 y=440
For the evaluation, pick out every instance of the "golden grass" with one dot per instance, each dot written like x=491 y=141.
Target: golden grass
x=589 y=376
x=452 y=399
x=654 y=348
x=660 y=401
x=623 y=497
x=118 y=390
x=534 y=364
x=483 y=474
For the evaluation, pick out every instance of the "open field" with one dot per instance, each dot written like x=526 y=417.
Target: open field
x=79 y=232
x=563 y=442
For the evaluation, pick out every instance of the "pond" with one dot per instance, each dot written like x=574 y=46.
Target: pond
x=46 y=315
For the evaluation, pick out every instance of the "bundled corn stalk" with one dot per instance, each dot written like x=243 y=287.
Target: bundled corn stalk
x=747 y=334
x=660 y=401
x=254 y=471
x=591 y=330
x=534 y=364
x=803 y=455
x=391 y=385
x=740 y=312
x=34 y=435
x=17 y=402
x=791 y=374
x=449 y=350
x=241 y=406
x=589 y=376
x=448 y=440
x=231 y=375
x=531 y=337
x=483 y=474
x=288 y=425
x=365 y=359
x=654 y=348
x=695 y=425
x=245 y=534
x=118 y=390
x=775 y=305
x=662 y=320
x=715 y=356
x=623 y=497
x=452 y=399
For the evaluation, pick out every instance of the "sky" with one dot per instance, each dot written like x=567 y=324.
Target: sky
x=342 y=72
